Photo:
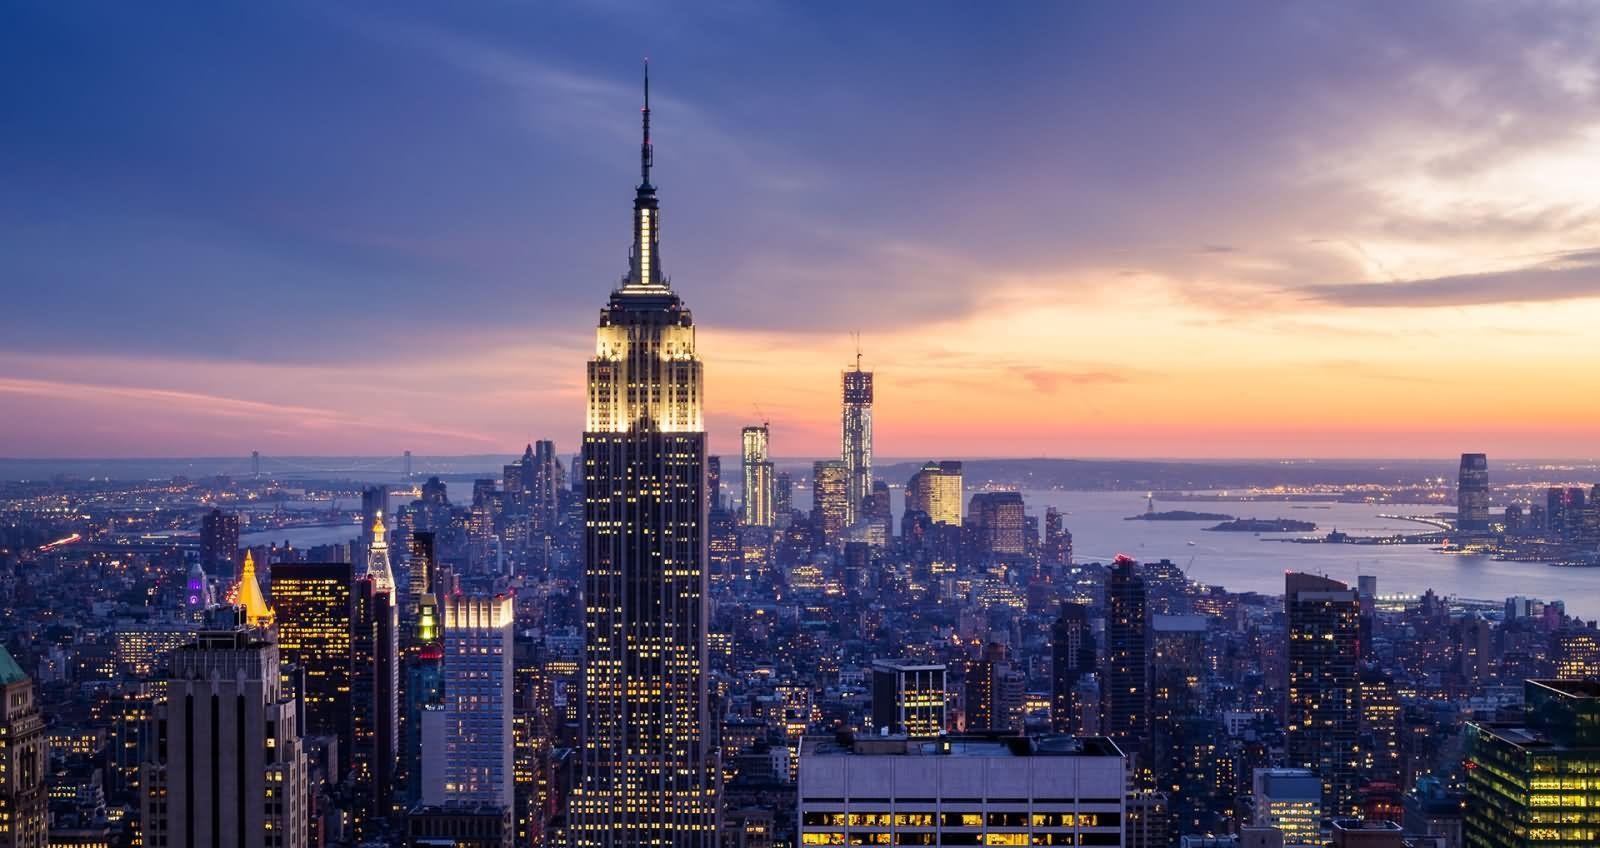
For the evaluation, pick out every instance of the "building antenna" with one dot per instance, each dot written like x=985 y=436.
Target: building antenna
x=645 y=157
x=856 y=335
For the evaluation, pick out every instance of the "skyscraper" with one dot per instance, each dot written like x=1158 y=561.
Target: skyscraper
x=908 y=697
x=24 y=806
x=1072 y=658
x=544 y=496
x=782 y=499
x=375 y=682
x=466 y=747
x=998 y=521
x=1127 y=689
x=424 y=690
x=1532 y=782
x=1057 y=551
x=856 y=442
x=830 y=501
x=1323 y=684
x=231 y=770
x=645 y=765
x=314 y=604
x=219 y=542
x=936 y=490
x=758 y=480
x=1472 y=493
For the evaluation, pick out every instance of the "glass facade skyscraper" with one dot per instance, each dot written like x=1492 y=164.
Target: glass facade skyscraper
x=645 y=770
x=758 y=476
x=856 y=443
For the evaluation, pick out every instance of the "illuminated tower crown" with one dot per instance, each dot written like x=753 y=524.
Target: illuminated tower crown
x=378 y=558
x=247 y=593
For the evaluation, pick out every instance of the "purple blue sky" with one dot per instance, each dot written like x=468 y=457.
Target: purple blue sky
x=1232 y=229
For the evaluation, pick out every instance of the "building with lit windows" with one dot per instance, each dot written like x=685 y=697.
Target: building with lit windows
x=219 y=542
x=230 y=770
x=758 y=477
x=314 y=604
x=998 y=521
x=830 y=501
x=142 y=649
x=1126 y=692
x=1537 y=782
x=375 y=683
x=1324 y=633
x=856 y=441
x=647 y=772
x=909 y=698
x=1472 y=493
x=1072 y=660
x=1289 y=799
x=936 y=490
x=24 y=805
x=467 y=748
x=967 y=789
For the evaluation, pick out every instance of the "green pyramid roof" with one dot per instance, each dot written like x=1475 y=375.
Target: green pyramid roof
x=10 y=672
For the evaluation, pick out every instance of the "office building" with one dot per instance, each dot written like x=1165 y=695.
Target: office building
x=757 y=503
x=460 y=826
x=1126 y=693
x=1534 y=782
x=246 y=595
x=424 y=689
x=830 y=502
x=646 y=761
x=998 y=520
x=467 y=746
x=995 y=691
x=856 y=442
x=1564 y=513
x=424 y=564
x=1365 y=833
x=966 y=789
x=1323 y=659
x=375 y=683
x=219 y=543
x=1290 y=800
x=141 y=650
x=1057 y=552
x=230 y=769
x=544 y=491
x=935 y=489
x=24 y=805
x=908 y=698
x=1072 y=659
x=782 y=499
x=314 y=604
x=1472 y=493
x=877 y=515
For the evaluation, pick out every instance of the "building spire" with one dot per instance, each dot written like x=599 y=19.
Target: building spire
x=644 y=271
x=645 y=159
x=247 y=594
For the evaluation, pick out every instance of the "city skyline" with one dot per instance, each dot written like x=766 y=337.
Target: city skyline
x=1301 y=227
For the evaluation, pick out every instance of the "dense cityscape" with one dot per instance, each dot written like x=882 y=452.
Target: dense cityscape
x=630 y=640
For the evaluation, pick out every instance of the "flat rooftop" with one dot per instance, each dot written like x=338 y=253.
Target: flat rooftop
x=961 y=745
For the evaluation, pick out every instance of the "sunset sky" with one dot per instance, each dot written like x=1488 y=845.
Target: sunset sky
x=1061 y=229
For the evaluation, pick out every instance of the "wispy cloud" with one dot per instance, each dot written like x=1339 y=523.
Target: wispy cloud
x=1572 y=276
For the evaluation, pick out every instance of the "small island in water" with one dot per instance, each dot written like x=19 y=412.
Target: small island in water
x=1179 y=515
x=1264 y=525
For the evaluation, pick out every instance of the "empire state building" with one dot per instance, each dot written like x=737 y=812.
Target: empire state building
x=646 y=777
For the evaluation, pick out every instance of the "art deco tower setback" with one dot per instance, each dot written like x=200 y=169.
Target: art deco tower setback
x=645 y=762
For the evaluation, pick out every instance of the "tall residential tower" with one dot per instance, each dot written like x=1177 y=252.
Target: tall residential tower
x=645 y=768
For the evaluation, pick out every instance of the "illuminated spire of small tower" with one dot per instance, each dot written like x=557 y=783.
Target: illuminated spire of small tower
x=247 y=594
x=378 y=558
